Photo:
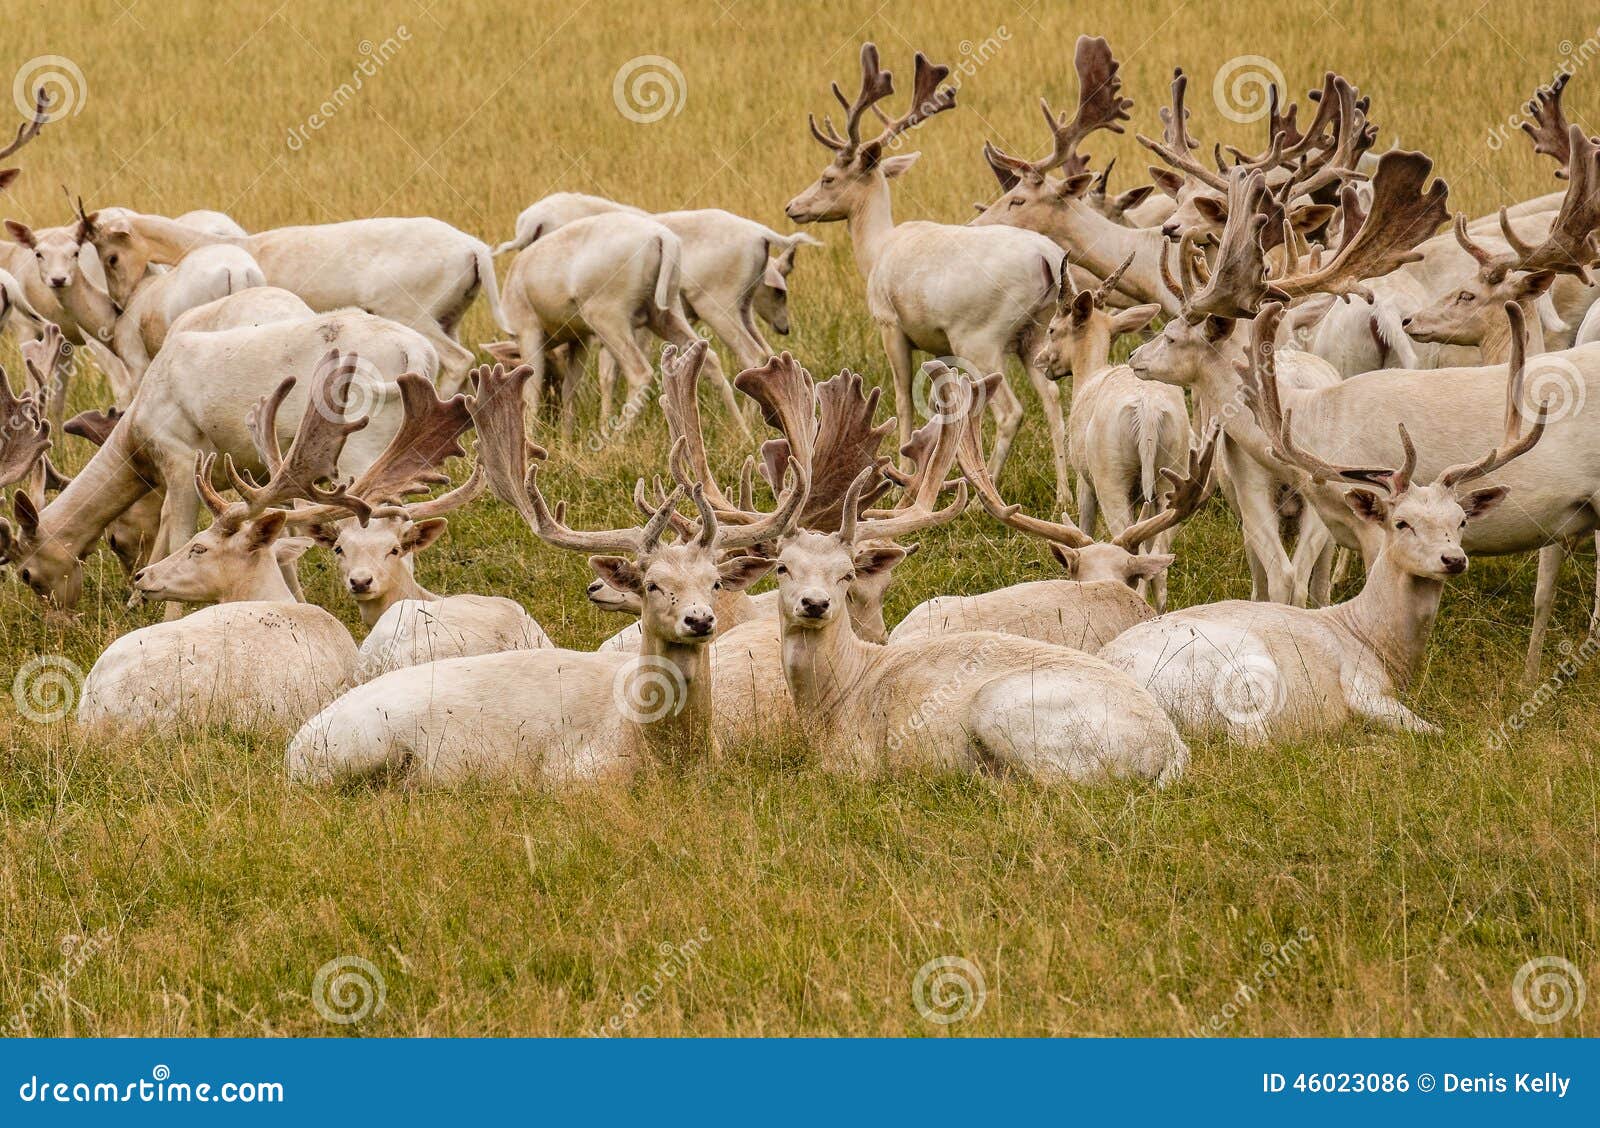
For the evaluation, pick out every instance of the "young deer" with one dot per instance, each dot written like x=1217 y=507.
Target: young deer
x=943 y=289
x=1260 y=672
x=1098 y=600
x=976 y=700
x=1123 y=431
x=561 y=715
x=258 y=656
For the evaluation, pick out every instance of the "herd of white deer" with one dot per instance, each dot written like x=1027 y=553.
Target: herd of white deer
x=1349 y=374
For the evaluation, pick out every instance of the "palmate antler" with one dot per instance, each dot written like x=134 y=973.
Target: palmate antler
x=1100 y=106
x=1514 y=442
x=929 y=97
x=1549 y=128
x=24 y=434
x=933 y=450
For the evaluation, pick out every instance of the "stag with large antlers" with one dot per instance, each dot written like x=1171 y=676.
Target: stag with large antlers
x=259 y=656
x=560 y=714
x=969 y=701
x=939 y=288
x=182 y=409
x=1257 y=672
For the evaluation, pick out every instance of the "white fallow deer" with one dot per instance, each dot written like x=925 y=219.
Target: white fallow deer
x=1123 y=431
x=419 y=272
x=1259 y=672
x=602 y=278
x=969 y=701
x=132 y=534
x=560 y=715
x=194 y=400
x=940 y=288
x=408 y=624
x=258 y=657
x=1097 y=600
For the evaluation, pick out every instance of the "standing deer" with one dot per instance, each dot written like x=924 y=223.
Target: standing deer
x=1262 y=672
x=943 y=289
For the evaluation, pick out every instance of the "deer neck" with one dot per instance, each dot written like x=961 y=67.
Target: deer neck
x=1089 y=356
x=373 y=609
x=1100 y=245
x=1496 y=344
x=263 y=583
x=167 y=240
x=89 y=306
x=824 y=666
x=1219 y=394
x=871 y=222
x=1391 y=618
x=677 y=735
x=102 y=492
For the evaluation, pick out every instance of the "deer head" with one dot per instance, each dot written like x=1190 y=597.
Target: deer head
x=1082 y=327
x=860 y=169
x=125 y=255
x=55 y=251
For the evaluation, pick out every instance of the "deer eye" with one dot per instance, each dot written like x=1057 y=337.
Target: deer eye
x=197 y=550
x=1401 y=526
x=827 y=181
x=338 y=551
x=653 y=587
x=780 y=570
x=111 y=260
x=27 y=576
x=395 y=551
x=1464 y=296
x=1015 y=202
x=849 y=578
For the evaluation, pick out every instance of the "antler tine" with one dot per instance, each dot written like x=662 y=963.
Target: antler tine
x=1100 y=106
x=785 y=392
x=1238 y=283
x=1184 y=163
x=42 y=357
x=448 y=502
x=1260 y=375
x=553 y=530
x=969 y=456
x=29 y=129
x=1174 y=287
x=1483 y=256
x=1511 y=446
x=928 y=97
x=1401 y=481
x=1109 y=285
x=24 y=434
x=1548 y=129
x=876 y=85
x=778 y=523
x=1282 y=133
x=214 y=501
x=680 y=403
x=1513 y=240
x=1569 y=248
x=429 y=435
x=262 y=423
x=1402 y=215
x=1175 y=119
x=1189 y=492
x=846 y=441
x=503 y=447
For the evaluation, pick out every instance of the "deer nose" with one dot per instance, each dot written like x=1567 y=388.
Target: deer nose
x=595 y=588
x=1454 y=562
x=698 y=624
x=57 y=282
x=138 y=577
x=360 y=585
x=814 y=606
x=1170 y=230
x=1405 y=323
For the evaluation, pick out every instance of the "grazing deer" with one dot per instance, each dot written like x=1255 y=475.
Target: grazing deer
x=1098 y=600
x=1262 y=672
x=977 y=700
x=181 y=409
x=408 y=624
x=601 y=277
x=943 y=289
x=258 y=656
x=559 y=714
x=130 y=535
x=419 y=272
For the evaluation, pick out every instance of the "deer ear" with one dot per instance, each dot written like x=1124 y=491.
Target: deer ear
x=1211 y=209
x=1133 y=197
x=1216 y=328
x=1310 y=217
x=892 y=167
x=1068 y=557
x=1149 y=565
x=1072 y=187
x=1479 y=502
x=1535 y=283
x=1168 y=181
x=27 y=513
x=879 y=559
x=620 y=572
x=20 y=233
x=325 y=533
x=420 y=535
x=265 y=529
x=742 y=571
x=1367 y=505
x=289 y=549
x=1082 y=306
x=1134 y=319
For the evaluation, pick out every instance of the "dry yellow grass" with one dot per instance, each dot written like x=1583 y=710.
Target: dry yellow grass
x=1423 y=871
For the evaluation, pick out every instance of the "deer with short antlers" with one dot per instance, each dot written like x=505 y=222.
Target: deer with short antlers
x=969 y=701
x=1098 y=600
x=940 y=288
x=1262 y=672
x=259 y=656
x=561 y=715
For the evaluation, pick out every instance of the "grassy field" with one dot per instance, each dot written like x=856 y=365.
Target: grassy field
x=1361 y=884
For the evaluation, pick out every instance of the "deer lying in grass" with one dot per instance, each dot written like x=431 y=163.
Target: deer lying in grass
x=1260 y=672
x=977 y=700
x=601 y=278
x=1123 y=431
x=1097 y=601
x=258 y=656
x=408 y=624
x=559 y=714
x=181 y=409
x=940 y=288
x=420 y=272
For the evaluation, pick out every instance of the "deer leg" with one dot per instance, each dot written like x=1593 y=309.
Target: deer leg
x=1008 y=421
x=1375 y=705
x=180 y=514
x=898 y=347
x=1312 y=550
x=1551 y=557
x=619 y=341
x=608 y=384
x=1259 y=518
x=670 y=326
x=573 y=363
x=531 y=344
x=1088 y=504
x=1049 y=393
